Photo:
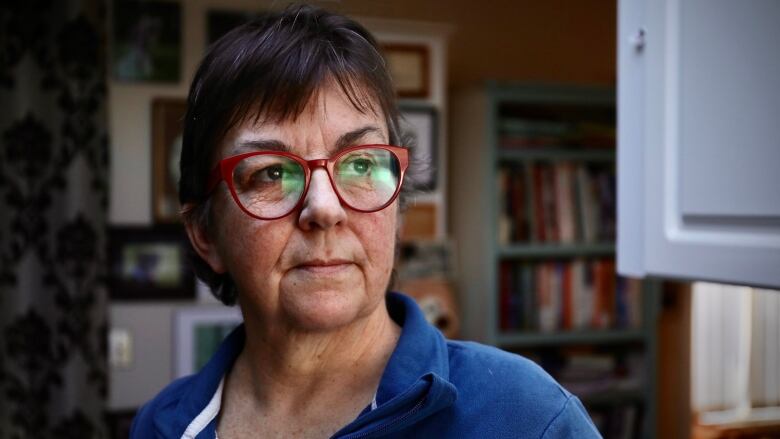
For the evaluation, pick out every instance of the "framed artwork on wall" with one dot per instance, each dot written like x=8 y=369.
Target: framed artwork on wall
x=426 y=259
x=198 y=332
x=146 y=41
x=149 y=264
x=419 y=222
x=420 y=124
x=167 y=125
x=409 y=66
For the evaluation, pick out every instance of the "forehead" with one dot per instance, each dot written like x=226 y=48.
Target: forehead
x=328 y=122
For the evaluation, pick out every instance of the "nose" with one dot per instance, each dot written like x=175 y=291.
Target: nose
x=322 y=208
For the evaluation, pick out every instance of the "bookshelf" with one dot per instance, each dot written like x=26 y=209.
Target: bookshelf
x=534 y=222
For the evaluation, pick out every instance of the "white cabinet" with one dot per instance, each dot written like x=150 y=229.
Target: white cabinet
x=699 y=140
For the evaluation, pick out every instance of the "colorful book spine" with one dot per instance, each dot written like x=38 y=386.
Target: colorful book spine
x=566 y=296
x=555 y=203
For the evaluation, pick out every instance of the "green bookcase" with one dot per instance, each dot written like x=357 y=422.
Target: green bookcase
x=480 y=118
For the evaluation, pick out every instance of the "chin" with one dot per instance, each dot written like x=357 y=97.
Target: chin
x=326 y=310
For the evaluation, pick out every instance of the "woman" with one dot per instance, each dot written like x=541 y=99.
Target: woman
x=290 y=185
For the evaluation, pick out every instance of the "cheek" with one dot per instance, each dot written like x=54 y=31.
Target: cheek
x=251 y=248
x=378 y=235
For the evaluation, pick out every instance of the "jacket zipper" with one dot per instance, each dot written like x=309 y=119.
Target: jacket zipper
x=395 y=421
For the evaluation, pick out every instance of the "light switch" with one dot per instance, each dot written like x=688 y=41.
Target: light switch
x=120 y=348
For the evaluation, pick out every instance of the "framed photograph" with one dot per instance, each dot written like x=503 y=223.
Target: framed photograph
x=167 y=125
x=149 y=264
x=419 y=222
x=420 y=259
x=421 y=123
x=198 y=332
x=409 y=66
x=146 y=41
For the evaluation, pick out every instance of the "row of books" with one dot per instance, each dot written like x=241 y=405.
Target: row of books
x=566 y=295
x=560 y=202
x=594 y=376
x=523 y=133
x=609 y=382
x=618 y=422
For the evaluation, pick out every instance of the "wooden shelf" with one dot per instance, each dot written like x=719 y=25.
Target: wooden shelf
x=556 y=154
x=527 y=339
x=556 y=250
x=483 y=118
x=613 y=397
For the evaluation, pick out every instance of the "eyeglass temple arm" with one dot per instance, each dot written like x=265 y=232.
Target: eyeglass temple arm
x=214 y=178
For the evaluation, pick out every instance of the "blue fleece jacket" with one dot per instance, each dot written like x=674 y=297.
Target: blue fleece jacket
x=431 y=388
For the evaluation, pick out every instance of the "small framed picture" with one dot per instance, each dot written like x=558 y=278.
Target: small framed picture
x=419 y=259
x=409 y=69
x=198 y=332
x=146 y=41
x=149 y=264
x=419 y=222
x=422 y=125
x=167 y=125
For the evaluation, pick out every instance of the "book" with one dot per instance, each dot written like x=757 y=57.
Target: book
x=505 y=221
x=566 y=295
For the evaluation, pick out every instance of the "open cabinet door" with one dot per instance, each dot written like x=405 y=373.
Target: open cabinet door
x=699 y=140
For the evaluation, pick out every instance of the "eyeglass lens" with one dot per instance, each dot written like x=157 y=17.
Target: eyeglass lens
x=271 y=185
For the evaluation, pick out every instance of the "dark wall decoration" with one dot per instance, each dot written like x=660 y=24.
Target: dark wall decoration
x=53 y=200
x=146 y=41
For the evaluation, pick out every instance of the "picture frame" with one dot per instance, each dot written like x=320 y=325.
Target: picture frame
x=421 y=124
x=421 y=259
x=167 y=127
x=149 y=263
x=409 y=66
x=198 y=332
x=146 y=41
x=419 y=222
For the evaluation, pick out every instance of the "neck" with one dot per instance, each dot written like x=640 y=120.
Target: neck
x=289 y=368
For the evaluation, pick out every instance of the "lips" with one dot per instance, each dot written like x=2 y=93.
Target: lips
x=324 y=263
x=325 y=267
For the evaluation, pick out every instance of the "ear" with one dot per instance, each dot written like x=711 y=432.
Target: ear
x=203 y=244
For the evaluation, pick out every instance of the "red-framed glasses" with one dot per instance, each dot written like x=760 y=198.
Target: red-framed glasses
x=270 y=185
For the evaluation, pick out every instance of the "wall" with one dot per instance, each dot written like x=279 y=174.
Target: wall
x=514 y=40
x=510 y=40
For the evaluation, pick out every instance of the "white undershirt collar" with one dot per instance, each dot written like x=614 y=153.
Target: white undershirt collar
x=212 y=410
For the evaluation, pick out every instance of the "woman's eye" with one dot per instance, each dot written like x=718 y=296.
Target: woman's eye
x=274 y=173
x=268 y=174
x=361 y=166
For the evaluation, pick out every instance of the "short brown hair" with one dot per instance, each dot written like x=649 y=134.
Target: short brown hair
x=270 y=68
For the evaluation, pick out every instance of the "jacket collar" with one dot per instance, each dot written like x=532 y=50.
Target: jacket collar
x=414 y=384
x=172 y=421
x=421 y=350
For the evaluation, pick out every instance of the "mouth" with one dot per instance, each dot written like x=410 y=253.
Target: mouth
x=322 y=266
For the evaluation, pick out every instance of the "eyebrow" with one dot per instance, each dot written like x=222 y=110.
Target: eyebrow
x=352 y=137
x=345 y=140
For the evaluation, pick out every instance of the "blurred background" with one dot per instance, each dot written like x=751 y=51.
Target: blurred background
x=544 y=227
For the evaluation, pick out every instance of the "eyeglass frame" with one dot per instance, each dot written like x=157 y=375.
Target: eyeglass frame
x=223 y=171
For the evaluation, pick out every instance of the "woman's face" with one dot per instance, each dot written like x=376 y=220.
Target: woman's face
x=324 y=265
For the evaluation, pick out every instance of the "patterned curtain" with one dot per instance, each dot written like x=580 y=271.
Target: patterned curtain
x=53 y=200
